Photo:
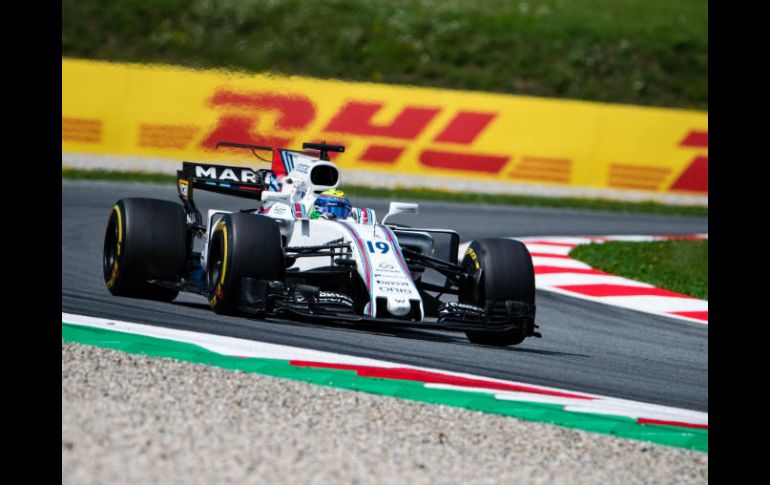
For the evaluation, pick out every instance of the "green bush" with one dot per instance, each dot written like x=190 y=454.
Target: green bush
x=680 y=265
x=652 y=52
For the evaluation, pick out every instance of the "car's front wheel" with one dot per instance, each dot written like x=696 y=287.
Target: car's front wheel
x=501 y=271
x=241 y=245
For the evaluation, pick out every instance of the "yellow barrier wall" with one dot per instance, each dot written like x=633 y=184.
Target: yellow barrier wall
x=169 y=112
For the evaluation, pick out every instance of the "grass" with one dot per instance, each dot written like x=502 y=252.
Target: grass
x=677 y=265
x=651 y=52
x=438 y=195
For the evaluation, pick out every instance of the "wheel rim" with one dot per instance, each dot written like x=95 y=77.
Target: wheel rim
x=214 y=262
x=110 y=253
x=474 y=292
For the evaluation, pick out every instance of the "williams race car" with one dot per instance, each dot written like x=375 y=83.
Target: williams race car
x=304 y=252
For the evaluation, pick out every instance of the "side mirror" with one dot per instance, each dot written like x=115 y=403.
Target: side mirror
x=401 y=208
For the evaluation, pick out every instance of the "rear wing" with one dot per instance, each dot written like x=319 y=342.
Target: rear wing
x=240 y=181
x=237 y=181
x=281 y=162
x=223 y=179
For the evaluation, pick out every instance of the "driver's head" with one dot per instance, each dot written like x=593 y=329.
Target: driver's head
x=331 y=204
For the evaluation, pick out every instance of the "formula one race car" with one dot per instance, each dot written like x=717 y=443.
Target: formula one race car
x=304 y=252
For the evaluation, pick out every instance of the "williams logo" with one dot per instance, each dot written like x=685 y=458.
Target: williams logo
x=183 y=188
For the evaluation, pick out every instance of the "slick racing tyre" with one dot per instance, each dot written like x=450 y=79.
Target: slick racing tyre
x=241 y=245
x=145 y=240
x=502 y=270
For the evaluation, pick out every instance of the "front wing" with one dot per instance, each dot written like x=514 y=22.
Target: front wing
x=304 y=302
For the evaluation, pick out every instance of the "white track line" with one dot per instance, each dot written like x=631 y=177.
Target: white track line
x=249 y=348
x=559 y=262
x=564 y=279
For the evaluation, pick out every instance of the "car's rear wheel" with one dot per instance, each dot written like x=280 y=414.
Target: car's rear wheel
x=241 y=245
x=145 y=240
x=501 y=270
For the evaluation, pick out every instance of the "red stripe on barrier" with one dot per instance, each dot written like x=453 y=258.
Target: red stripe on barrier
x=433 y=378
x=552 y=243
x=696 y=139
x=558 y=269
x=696 y=315
x=549 y=255
x=381 y=154
x=463 y=161
x=620 y=290
x=465 y=127
x=695 y=177
x=672 y=423
x=356 y=118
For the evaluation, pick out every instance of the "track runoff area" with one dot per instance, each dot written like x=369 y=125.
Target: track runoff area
x=524 y=399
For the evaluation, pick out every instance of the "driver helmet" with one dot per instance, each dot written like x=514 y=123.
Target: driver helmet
x=331 y=204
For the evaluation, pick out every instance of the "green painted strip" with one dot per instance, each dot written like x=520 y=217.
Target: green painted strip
x=696 y=439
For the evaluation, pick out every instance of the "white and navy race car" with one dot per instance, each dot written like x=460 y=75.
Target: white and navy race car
x=305 y=253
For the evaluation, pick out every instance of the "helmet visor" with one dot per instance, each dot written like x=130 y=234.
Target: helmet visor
x=339 y=211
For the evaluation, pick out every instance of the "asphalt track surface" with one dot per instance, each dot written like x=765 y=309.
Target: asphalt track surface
x=586 y=346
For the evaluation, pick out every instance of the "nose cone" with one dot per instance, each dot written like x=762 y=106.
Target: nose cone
x=398 y=306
